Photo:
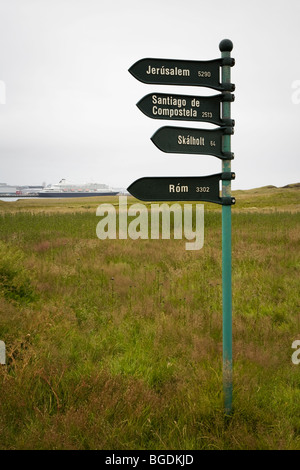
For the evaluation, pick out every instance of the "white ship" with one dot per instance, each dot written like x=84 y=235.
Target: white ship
x=66 y=189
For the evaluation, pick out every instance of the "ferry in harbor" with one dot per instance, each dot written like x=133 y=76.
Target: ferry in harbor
x=66 y=189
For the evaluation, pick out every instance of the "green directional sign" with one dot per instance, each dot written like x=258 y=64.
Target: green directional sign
x=192 y=141
x=181 y=188
x=182 y=72
x=185 y=108
x=214 y=74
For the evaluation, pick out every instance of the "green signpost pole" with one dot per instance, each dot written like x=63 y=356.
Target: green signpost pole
x=215 y=142
x=225 y=48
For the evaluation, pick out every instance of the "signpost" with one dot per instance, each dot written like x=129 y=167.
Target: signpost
x=225 y=48
x=182 y=72
x=189 y=140
x=216 y=142
x=184 y=188
x=185 y=107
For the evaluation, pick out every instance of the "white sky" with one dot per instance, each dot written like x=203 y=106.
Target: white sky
x=71 y=110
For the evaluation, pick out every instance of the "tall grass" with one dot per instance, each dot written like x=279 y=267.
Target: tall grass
x=117 y=344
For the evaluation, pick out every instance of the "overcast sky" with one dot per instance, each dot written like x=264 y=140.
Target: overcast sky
x=70 y=105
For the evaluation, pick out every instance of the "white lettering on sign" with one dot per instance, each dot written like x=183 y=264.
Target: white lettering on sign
x=178 y=188
x=195 y=102
x=204 y=73
x=202 y=189
x=207 y=114
x=167 y=71
x=169 y=100
x=174 y=112
x=190 y=140
x=179 y=107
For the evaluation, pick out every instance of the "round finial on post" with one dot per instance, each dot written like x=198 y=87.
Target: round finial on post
x=226 y=45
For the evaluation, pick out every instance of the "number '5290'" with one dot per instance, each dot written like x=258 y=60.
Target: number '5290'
x=204 y=73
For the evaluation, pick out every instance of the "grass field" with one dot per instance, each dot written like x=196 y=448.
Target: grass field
x=117 y=344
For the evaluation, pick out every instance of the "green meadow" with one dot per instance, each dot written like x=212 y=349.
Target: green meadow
x=117 y=344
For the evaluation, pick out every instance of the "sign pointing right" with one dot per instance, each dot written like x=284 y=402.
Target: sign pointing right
x=189 y=140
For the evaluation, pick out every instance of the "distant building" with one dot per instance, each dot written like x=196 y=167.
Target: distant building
x=6 y=189
x=27 y=190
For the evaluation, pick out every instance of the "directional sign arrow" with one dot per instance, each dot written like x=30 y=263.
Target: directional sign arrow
x=189 y=140
x=182 y=72
x=185 y=107
x=181 y=188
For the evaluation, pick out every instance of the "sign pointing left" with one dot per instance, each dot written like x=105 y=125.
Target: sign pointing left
x=182 y=72
x=185 y=107
x=181 y=188
x=189 y=140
